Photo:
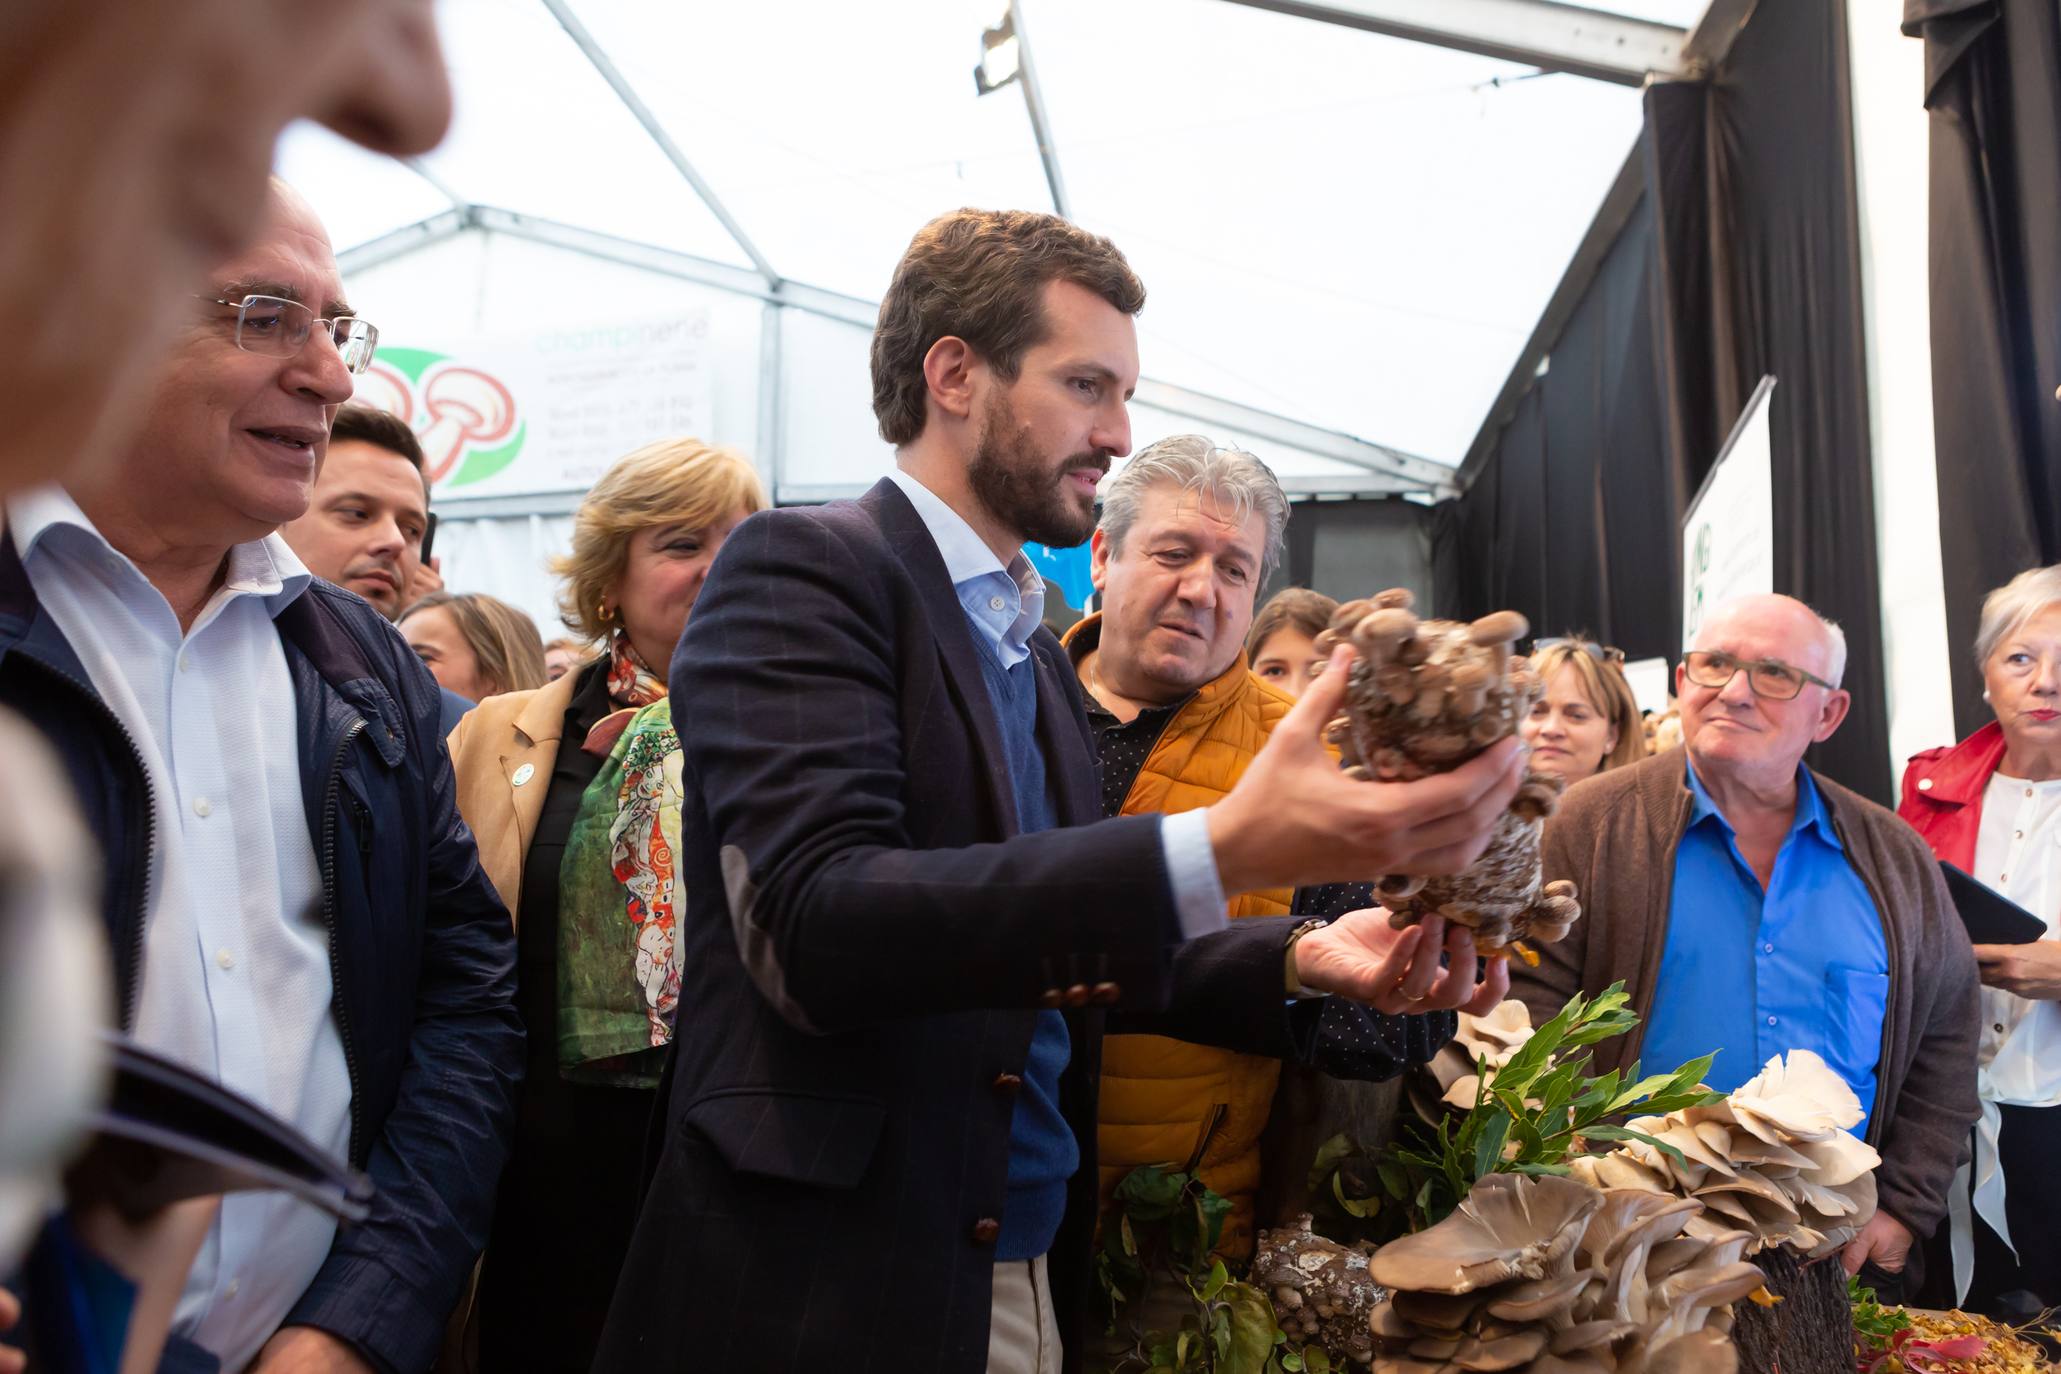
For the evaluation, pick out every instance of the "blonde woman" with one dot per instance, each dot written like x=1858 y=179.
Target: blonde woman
x=572 y=792
x=475 y=645
x=1587 y=721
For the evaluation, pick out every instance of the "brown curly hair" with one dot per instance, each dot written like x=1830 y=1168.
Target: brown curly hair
x=977 y=275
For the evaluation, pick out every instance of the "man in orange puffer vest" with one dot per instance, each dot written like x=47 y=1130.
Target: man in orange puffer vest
x=1187 y=535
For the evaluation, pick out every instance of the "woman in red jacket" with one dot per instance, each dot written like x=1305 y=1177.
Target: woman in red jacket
x=1991 y=805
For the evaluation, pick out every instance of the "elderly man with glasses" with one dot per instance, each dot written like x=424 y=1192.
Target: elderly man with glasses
x=293 y=905
x=1752 y=908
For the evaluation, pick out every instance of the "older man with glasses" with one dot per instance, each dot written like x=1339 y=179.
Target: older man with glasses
x=1753 y=908
x=293 y=905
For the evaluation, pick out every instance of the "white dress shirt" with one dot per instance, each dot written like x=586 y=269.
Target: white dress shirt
x=1006 y=606
x=235 y=972
x=2018 y=1062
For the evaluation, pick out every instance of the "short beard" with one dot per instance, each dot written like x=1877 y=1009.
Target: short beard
x=1020 y=489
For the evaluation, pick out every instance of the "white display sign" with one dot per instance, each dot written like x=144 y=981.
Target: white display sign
x=1728 y=536
x=550 y=411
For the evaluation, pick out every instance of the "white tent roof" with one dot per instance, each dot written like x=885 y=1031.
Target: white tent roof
x=1353 y=231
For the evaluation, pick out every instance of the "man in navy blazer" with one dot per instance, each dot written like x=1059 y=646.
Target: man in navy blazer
x=908 y=923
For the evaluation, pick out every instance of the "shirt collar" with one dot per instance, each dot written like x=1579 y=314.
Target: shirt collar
x=264 y=568
x=967 y=557
x=1810 y=806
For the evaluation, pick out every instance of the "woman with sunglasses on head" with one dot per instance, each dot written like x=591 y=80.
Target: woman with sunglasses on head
x=1586 y=721
x=1991 y=806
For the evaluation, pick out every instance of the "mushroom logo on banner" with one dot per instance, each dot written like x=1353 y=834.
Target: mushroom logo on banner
x=459 y=412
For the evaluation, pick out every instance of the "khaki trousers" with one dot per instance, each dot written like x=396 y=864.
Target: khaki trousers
x=1023 y=1333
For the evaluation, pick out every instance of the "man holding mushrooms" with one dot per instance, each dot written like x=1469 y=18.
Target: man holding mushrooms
x=1752 y=907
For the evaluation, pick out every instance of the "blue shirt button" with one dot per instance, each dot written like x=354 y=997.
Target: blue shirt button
x=1771 y=1020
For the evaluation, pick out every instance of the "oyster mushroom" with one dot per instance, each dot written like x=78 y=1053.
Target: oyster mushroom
x=1775 y=1158
x=1509 y=1227
x=1619 y=1287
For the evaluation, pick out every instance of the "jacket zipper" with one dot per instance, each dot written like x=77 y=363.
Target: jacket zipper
x=330 y=821
x=132 y=987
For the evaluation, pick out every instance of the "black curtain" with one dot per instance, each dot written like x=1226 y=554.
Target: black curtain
x=1741 y=259
x=1565 y=523
x=1993 y=86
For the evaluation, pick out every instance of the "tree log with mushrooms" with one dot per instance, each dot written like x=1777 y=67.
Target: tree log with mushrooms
x=1551 y=1275
x=1321 y=1291
x=1423 y=697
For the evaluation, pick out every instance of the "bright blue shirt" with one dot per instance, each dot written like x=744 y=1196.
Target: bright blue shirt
x=1752 y=974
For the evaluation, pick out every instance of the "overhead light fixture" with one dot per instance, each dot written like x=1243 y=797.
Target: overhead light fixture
x=1001 y=58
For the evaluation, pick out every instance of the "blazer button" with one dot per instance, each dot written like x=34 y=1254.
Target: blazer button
x=1008 y=1083
x=1051 y=998
x=1106 y=994
x=1078 y=995
x=985 y=1230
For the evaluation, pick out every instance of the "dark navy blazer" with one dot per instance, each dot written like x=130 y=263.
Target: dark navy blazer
x=866 y=943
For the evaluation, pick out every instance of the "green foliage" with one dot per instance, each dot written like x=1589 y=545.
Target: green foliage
x=1166 y=1222
x=1873 y=1324
x=1540 y=1110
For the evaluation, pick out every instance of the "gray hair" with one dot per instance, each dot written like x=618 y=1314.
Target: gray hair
x=1237 y=480
x=2011 y=605
x=1835 y=640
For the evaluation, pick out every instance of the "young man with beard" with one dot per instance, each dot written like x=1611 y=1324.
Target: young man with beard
x=910 y=923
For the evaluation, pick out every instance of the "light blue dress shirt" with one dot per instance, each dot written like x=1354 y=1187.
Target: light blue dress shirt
x=1753 y=974
x=1005 y=606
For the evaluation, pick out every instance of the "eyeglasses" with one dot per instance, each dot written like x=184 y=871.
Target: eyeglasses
x=1602 y=653
x=281 y=328
x=1769 y=677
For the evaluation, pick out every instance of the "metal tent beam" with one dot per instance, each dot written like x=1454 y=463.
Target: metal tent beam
x=1539 y=33
x=445 y=224
x=1408 y=471
x=721 y=275
x=1040 y=118
x=596 y=54
x=1391 y=470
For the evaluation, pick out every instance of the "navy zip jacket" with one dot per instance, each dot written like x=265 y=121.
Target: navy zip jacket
x=421 y=949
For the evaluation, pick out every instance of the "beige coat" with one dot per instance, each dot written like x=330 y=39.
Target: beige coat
x=490 y=748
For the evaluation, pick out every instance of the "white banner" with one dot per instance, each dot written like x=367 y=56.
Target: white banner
x=546 y=412
x=1728 y=536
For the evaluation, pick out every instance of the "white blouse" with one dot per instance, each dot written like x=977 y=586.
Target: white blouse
x=2018 y=855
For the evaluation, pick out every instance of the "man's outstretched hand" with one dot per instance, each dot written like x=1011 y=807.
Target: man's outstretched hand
x=1295 y=820
x=1361 y=957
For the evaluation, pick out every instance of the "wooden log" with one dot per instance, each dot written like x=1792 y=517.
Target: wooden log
x=1809 y=1332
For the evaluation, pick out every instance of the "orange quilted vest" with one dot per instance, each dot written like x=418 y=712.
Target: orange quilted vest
x=1160 y=1097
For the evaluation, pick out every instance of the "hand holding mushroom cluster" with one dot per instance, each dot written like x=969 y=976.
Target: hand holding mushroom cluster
x=1776 y=1159
x=1423 y=697
x=1551 y=1275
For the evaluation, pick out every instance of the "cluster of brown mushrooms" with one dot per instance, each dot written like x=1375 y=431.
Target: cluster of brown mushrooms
x=1776 y=1159
x=1423 y=697
x=1320 y=1289
x=1487 y=1040
x=1550 y=1275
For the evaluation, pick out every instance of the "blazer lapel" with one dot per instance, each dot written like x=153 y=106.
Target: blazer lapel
x=911 y=540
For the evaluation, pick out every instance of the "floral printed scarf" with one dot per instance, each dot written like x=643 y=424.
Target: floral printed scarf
x=619 y=895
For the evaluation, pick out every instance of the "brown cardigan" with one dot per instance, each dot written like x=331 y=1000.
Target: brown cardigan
x=495 y=740
x=1615 y=836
